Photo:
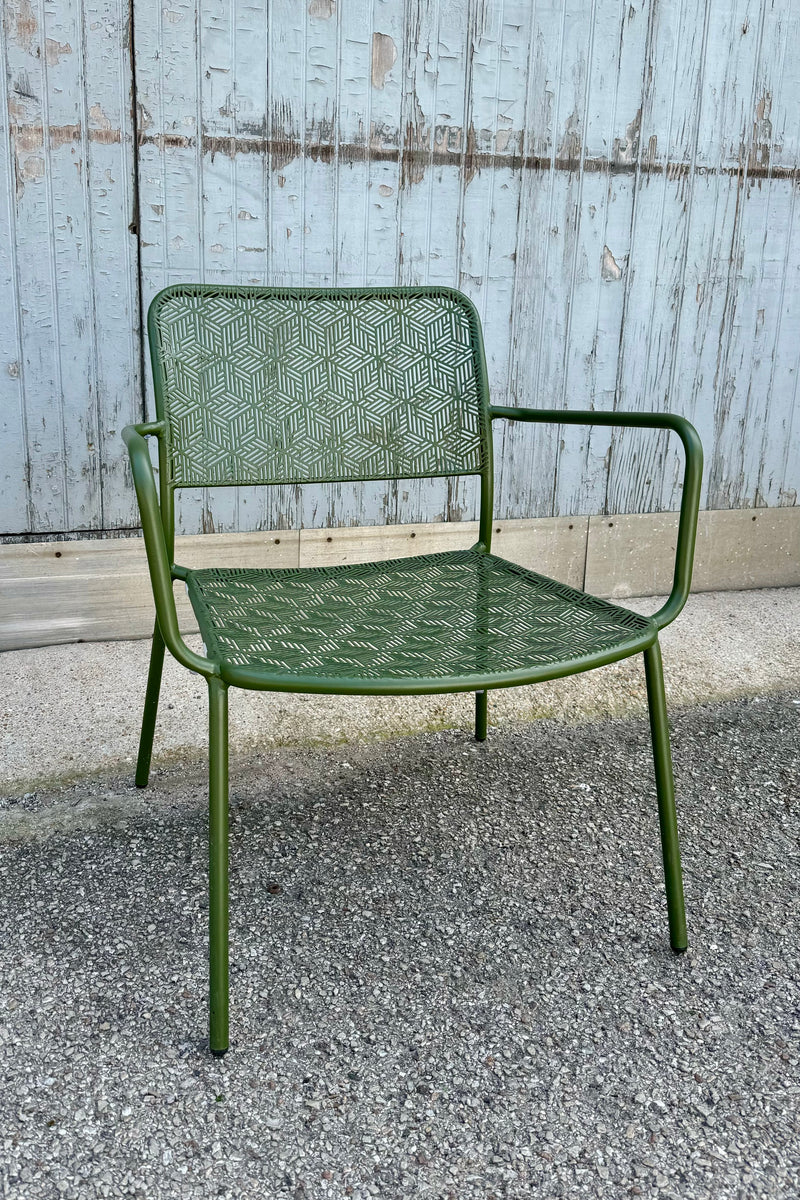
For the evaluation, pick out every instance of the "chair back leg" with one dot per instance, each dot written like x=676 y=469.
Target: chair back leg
x=481 y=716
x=218 y=865
x=150 y=709
x=665 y=783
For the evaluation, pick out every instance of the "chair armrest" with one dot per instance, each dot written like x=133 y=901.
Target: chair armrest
x=156 y=546
x=692 y=479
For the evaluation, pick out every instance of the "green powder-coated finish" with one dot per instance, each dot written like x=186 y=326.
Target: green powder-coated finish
x=665 y=784
x=411 y=624
x=290 y=385
x=150 y=708
x=278 y=385
x=481 y=716
x=218 y=865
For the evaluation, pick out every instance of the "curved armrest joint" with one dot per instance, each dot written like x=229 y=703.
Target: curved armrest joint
x=692 y=479
x=156 y=547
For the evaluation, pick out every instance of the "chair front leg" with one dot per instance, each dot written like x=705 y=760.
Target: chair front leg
x=665 y=784
x=150 y=708
x=218 y=865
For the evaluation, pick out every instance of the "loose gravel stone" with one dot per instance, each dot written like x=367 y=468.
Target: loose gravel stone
x=450 y=975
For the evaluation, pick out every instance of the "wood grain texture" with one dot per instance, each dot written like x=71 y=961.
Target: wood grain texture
x=613 y=182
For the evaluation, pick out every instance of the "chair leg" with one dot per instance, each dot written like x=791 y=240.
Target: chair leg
x=481 y=716
x=665 y=784
x=150 y=709
x=218 y=865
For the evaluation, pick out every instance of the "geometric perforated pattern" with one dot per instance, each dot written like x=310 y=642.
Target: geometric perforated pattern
x=263 y=385
x=450 y=614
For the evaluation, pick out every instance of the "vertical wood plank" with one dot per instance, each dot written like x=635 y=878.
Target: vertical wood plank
x=114 y=310
x=15 y=515
x=37 y=268
x=596 y=292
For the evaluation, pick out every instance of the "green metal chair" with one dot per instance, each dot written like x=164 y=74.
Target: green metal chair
x=288 y=385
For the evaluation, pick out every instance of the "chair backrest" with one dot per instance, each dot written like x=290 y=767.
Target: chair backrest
x=293 y=385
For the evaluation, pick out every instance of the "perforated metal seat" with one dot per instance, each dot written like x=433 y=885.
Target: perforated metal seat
x=297 y=385
x=459 y=620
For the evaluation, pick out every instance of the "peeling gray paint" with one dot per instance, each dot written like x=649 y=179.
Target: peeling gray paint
x=323 y=10
x=384 y=56
x=610 y=271
x=626 y=149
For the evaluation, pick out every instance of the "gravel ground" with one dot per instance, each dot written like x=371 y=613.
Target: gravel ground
x=450 y=973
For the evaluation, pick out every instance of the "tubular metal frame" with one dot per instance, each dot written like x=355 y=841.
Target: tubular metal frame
x=158 y=522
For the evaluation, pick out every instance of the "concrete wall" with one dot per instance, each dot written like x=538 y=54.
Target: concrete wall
x=613 y=181
x=85 y=589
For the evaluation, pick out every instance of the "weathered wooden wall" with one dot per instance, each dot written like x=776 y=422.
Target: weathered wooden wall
x=69 y=323
x=613 y=181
